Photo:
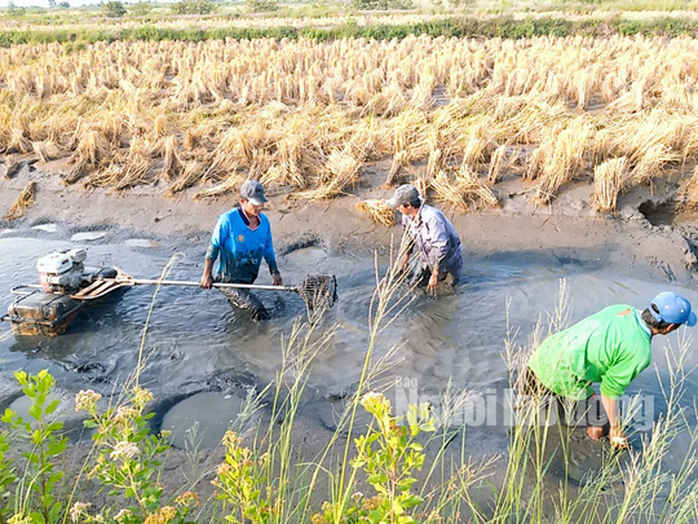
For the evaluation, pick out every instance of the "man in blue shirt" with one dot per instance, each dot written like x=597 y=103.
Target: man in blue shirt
x=240 y=240
x=431 y=235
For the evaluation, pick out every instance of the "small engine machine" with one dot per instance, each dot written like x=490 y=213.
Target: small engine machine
x=50 y=307
x=63 y=272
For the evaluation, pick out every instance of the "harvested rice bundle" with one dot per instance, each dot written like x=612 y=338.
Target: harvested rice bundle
x=286 y=169
x=46 y=151
x=400 y=161
x=340 y=171
x=608 y=183
x=193 y=171
x=135 y=172
x=12 y=167
x=450 y=191
x=228 y=185
x=105 y=176
x=92 y=151
x=378 y=211
x=19 y=143
x=25 y=199
x=651 y=164
x=224 y=159
x=435 y=162
x=474 y=189
x=172 y=164
x=564 y=156
x=497 y=163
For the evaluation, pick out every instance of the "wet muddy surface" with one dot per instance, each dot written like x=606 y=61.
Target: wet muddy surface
x=200 y=360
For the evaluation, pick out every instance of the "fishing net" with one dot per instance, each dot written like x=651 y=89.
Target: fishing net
x=318 y=291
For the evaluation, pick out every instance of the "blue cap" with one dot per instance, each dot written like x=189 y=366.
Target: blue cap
x=673 y=309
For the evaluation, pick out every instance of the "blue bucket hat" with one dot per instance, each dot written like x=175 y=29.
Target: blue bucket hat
x=673 y=308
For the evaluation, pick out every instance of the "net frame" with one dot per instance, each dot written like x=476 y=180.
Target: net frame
x=318 y=291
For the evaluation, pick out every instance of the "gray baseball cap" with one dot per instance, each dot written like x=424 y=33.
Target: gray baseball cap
x=404 y=194
x=253 y=191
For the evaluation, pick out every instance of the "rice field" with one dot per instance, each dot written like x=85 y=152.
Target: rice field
x=457 y=117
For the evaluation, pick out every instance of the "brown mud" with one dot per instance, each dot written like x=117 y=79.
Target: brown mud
x=652 y=236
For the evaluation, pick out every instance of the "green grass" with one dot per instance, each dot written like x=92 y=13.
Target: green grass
x=459 y=27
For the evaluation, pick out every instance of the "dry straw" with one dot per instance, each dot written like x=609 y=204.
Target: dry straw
x=12 y=167
x=608 y=183
x=378 y=211
x=25 y=199
x=193 y=171
x=46 y=150
x=300 y=113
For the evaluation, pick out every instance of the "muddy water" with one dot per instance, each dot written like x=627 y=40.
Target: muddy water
x=195 y=345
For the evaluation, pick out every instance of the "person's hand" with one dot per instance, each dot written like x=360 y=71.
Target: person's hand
x=404 y=265
x=618 y=439
x=206 y=282
x=433 y=282
x=277 y=279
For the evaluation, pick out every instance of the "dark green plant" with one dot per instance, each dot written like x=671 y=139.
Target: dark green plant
x=37 y=490
x=382 y=4
x=15 y=11
x=113 y=9
x=262 y=6
x=141 y=8
x=193 y=7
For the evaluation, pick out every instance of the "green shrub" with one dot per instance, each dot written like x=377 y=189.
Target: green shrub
x=193 y=7
x=262 y=6
x=113 y=9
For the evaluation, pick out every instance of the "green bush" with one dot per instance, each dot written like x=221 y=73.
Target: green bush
x=193 y=7
x=113 y=9
x=141 y=8
x=262 y=6
x=382 y=4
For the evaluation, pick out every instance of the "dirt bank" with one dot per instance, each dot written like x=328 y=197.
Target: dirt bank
x=652 y=234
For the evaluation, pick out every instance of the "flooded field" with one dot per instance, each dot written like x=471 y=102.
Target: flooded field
x=200 y=360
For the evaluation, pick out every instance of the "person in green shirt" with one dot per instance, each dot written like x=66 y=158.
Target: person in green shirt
x=611 y=347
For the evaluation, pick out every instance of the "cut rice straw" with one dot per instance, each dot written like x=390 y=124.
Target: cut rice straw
x=25 y=199
x=378 y=211
x=608 y=182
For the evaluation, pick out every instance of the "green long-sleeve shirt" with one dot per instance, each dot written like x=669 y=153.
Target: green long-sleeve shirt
x=612 y=347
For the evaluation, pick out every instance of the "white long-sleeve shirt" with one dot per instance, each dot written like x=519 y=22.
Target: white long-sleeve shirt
x=435 y=239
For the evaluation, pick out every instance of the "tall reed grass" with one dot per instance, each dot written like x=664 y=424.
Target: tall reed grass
x=399 y=468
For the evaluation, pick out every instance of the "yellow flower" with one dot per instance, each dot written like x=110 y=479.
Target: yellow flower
x=188 y=498
x=19 y=519
x=165 y=515
x=141 y=397
x=122 y=515
x=124 y=450
x=230 y=439
x=376 y=403
x=86 y=400
x=124 y=414
x=78 y=509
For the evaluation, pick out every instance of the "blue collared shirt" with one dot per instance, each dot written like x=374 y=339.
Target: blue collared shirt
x=240 y=249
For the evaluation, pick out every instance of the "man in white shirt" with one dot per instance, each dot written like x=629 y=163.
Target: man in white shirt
x=431 y=237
